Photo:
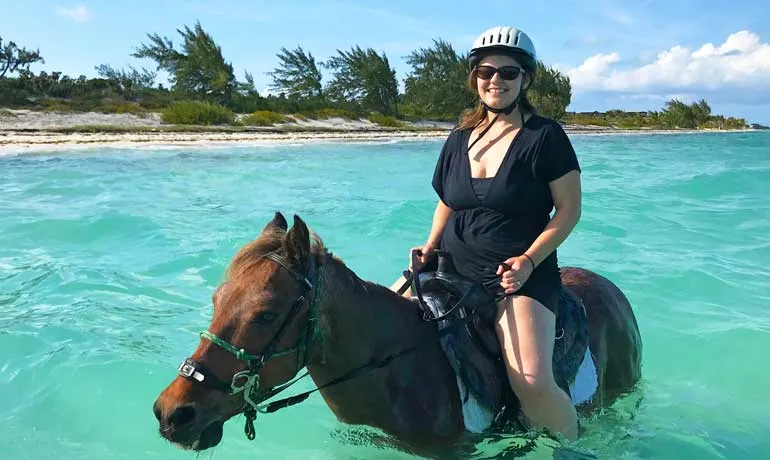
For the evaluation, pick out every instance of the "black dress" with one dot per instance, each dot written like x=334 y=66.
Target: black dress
x=500 y=217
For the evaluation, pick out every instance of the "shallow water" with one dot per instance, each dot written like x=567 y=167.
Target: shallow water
x=108 y=259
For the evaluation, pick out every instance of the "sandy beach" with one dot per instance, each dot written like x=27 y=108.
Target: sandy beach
x=25 y=130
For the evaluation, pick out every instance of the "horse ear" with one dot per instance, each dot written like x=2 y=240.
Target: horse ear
x=297 y=243
x=278 y=221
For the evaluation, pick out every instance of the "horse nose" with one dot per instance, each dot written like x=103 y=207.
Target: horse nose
x=182 y=415
x=177 y=417
x=156 y=410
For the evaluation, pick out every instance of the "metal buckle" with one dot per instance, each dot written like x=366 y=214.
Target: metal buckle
x=248 y=381
x=186 y=369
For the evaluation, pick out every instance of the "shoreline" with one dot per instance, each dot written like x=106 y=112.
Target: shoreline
x=28 y=131
x=31 y=142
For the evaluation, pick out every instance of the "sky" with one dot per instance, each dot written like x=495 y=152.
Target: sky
x=628 y=55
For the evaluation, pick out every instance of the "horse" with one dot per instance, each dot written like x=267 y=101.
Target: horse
x=286 y=304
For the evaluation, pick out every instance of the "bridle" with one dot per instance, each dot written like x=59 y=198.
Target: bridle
x=247 y=381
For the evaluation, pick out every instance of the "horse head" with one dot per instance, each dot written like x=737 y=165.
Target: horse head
x=260 y=336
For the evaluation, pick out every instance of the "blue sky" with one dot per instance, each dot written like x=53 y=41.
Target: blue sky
x=631 y=55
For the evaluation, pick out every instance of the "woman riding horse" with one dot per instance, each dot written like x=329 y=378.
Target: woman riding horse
x=287 y=304
x=498 y=176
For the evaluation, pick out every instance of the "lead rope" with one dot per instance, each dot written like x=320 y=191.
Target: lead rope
x=251 y=415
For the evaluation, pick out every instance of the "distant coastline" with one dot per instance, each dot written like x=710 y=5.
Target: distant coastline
x=354 y=95
x=39 y=130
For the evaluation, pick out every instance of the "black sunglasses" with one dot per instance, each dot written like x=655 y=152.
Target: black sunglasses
x=509 y=72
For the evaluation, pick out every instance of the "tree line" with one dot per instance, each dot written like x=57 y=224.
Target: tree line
x=674 y=114
x=361 y=81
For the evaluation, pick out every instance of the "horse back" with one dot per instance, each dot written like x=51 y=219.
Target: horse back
x=614 y=335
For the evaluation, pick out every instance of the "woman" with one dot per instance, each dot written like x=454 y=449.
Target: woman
x=498 y=176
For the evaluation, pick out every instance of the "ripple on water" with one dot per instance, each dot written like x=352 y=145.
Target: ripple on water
x=109 y=258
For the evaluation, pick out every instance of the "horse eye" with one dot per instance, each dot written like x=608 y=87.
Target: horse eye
x=265 y=317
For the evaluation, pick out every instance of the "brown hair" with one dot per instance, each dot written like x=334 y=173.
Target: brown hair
x=470 y=118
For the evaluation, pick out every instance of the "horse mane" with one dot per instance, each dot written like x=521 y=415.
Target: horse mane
x=270 y=241
x=338 y=279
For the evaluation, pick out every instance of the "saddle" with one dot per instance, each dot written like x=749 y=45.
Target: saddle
x=471 y=345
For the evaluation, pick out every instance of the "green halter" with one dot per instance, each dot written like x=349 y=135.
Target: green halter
x=247 y=381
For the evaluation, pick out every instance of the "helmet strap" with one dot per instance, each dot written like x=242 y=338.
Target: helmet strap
x=506 y=110
x=484 y=131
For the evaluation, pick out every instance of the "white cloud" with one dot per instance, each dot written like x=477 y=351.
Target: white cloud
x=591 y=72
x=78 y=13
x=741 y=63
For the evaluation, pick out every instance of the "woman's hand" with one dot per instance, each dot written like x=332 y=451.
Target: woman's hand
x=514 y=272
x=424 y=254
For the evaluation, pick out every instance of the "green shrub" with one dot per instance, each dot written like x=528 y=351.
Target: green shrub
x=263 y=118
x=53 y=105
x=594 y=120
x=197 y=113
x=332 y=113
x=118 y=106
x=12 y=97
x=155 y=100
x=386 y=120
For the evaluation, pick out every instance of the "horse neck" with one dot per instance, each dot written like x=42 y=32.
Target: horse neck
x=362 y=320
x=364 y=323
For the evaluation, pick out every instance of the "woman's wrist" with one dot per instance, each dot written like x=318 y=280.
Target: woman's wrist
x=531 y=260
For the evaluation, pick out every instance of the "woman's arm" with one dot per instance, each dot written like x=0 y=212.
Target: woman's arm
x=567 y=198
x=566 y=195
x=440 y=217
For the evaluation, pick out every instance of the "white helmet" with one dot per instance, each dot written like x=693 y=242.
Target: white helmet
x=508 y=40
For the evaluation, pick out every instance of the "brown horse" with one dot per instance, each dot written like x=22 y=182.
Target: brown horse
x=287 y=304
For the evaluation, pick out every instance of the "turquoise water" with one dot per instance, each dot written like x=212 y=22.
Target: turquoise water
x=108 y=259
